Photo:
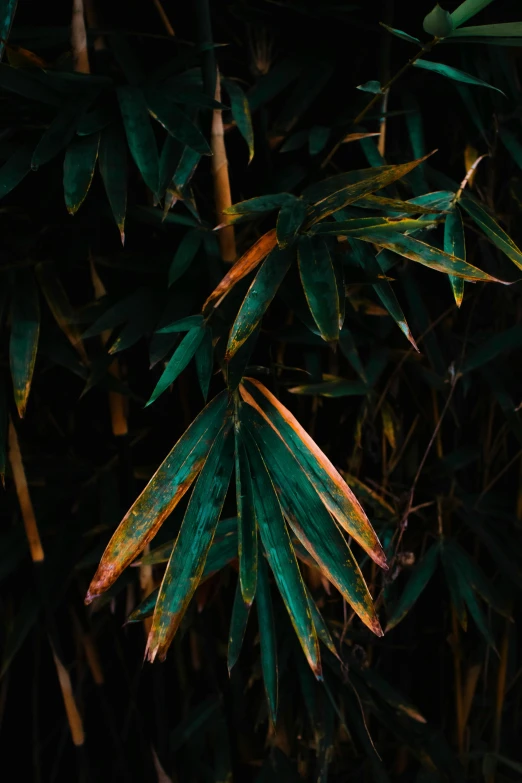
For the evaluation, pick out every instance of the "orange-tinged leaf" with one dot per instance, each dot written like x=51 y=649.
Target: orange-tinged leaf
x=327 y=481
x=25 y=331
x=163 y=492
x=187 y=561
x=246 y=264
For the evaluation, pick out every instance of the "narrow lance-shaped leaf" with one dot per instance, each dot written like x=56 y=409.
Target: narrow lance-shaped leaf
x=472 y=573
x=467 y=9
x=267 y=639
x=15 y=168
x=455 y=245
x=491 y=33
x=320 y=286
x=25 y=330
x=194 y=540
x=78 y=170
x=258 y=297
x=290 y=219
x=204 y=357
x=281 y=556
x=327 y=482
x=417 y=582
x=160 y=496
x=453 y=73
x=462 y=592
x=179 y=360
x=238 y=624
x=311 y=522
x=243 y=266
x=7 y=12
x=246 y=521
x=175 y=121
x=492 y=230
x=140 y=136
x=58 y=134
x=358 y=227
x=185 y=254
x=323 y=633
x=241 y=114
x=113 y=170
x=427 y=255
x=60 y=307
x=370 y=181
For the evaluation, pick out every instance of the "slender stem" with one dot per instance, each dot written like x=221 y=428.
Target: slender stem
x=384 y=90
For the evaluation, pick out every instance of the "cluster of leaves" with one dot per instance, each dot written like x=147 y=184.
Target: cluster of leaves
x=111 y=252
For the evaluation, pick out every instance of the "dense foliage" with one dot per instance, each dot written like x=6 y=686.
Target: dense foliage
x=273 y=249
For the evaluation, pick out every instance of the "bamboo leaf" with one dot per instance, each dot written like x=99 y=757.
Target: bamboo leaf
x=491 y=33
x=25 y=331
x=246 y=264
x=328 y=483
x=453 y=73
x=310 y=521
x=185 y=254
x=258 y=297
x=78 y=170
x=358 y=227
x=323 y=633
x=416 y=584
x=267 y=639
x=467 y=9
x=60 y=307
x=183 y=325
x=238 y=624
x=491 y=228
x=7 y=12
x=281 y=556
x=247 y=523
x=438 y=22
x=15 y=168
x=455 y=245
x=400 y=34
x=161 y=495
x=204 y=357
x=194 y=540
x=241 y=114
x=175 y=121
x=58 y=135
x=179 y=360
x=320 y=286
x=113 y=170
x=140 y=136
x=290 y=219
x=261 y=204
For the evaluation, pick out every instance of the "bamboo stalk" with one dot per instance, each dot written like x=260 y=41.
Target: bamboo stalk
x=164 y=18
x=222 y=193
x=24 y=497
x=71 y=709
x=79 y=38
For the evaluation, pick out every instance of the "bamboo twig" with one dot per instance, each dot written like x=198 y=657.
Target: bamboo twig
x=71 y=709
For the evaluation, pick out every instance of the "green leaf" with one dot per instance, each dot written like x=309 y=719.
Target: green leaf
x=24 y=83
x=183 y=325
x=58 y=135
x=337 y=192
x=170 y=158
x=465 y=590
x=186 y=168
x=427 y=255
x=15 y=168
x=491 y=228
x=471 y=573
x=113 y=170
x=175 y=121
x=281 y=556
x=512 y=144
x=323 y=633
x=491 y=33
x=416 y=584
x=78 y=170
x=140 y=136
x=290 y=219
x=454 y=73
x=267 y=639
x=241 y=113
x=367 y=261
x=438 y=22
x=161 y=495
x=350 y=352
x=179 y=360
x=318 y=138
x=328 y=483
x=262 y=204
x=467 y=9
x=455 y=245
x=7 y=12
x=25 y=330
x=258 y=297
x=238 y=624
x=310 y=521
x=246 y=521
x=204 y=357
x=357 y=227
x=320 y=286
x=185 y=254
x=187 y=561
x=400 y=34
x=371 y=86
x=485 y=352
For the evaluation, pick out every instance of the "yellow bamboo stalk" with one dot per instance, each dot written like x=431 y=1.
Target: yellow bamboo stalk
x=222 y=194
x=470 y=686
x=79 y=38
x=71 y=709
x=24 y=497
